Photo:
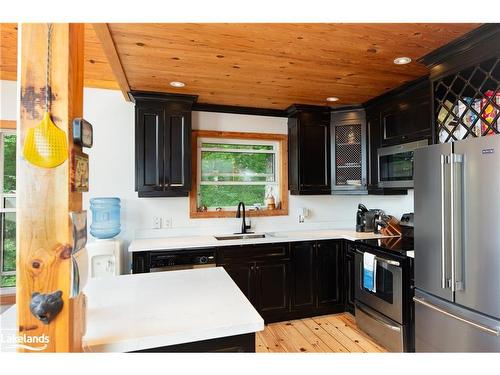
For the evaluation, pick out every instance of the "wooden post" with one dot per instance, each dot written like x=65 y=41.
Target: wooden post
x=44 y=196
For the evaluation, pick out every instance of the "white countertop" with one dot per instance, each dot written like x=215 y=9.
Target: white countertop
x=189 y=242
x=133 y=312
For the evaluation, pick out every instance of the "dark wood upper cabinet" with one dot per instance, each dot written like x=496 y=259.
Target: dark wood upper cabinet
x=374 y=138
x=406 y=117
x=400 y=116
x=348 y=149
x=309 y=150
x=163 y=144
x=465 y=76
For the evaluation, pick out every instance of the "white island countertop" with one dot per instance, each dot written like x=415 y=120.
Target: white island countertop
x=190 y=242
x=134 y=312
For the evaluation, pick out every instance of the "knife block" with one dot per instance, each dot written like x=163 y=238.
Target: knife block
x=393 y=228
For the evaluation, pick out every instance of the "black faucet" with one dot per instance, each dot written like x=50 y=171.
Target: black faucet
x=244 y=225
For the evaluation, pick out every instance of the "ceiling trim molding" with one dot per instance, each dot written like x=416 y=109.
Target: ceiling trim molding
x=108 y=45
x=238 y=110
x=483 y=34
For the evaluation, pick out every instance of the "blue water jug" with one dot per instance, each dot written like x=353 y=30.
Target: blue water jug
x=105 y=217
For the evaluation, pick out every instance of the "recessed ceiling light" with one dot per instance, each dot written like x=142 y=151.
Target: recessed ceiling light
x=332 y=99
x=402 y=60
x=177 y=84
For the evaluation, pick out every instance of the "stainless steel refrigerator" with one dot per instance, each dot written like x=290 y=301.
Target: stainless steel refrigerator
x=457 y=246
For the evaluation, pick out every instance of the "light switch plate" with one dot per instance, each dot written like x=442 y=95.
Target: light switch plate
x=166 y=222
x=156 y=222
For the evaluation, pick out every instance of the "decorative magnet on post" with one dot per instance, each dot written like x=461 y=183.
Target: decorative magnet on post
x=45 y=307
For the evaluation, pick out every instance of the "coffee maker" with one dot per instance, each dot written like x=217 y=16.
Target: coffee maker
x=365 y=218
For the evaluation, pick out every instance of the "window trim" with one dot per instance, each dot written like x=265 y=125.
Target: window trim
x=5 y=292
x=282 y=139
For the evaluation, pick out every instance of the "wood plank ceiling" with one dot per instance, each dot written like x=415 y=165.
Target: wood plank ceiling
x=275 y=65
x=98 y=73
x=265 y=65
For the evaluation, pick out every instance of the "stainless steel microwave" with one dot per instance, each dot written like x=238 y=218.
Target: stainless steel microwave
x=395 y=164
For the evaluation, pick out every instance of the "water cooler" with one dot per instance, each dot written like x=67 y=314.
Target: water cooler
x=105 y=253
x=105 y=258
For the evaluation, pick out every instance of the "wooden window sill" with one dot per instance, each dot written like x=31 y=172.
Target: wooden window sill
x=223 y=214
x=7 y=299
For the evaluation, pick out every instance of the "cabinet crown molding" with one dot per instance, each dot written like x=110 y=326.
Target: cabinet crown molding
x=474 y=46
x=162 y=96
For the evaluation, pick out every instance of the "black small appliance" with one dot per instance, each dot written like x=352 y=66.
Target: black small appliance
x=365 y=218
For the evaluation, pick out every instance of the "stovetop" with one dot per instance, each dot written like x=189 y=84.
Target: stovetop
x=400 y=245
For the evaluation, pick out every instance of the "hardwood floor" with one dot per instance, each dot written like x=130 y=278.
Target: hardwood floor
x=323 y=334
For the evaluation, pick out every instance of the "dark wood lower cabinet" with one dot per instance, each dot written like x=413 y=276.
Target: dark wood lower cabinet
x=329 y=275
x=289 y=281
x=284 y=280
x=317 y=286
x=272 y=293
x=232 y=344
x=349 y=278
x=263 y=275
x=242 y=275
x=304 y=276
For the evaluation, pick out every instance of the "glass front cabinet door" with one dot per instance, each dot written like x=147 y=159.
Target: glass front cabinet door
x=348 y=140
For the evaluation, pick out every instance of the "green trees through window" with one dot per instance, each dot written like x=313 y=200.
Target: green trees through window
x=233 y=172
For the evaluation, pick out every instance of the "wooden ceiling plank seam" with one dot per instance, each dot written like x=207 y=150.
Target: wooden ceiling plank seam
x=109 y=47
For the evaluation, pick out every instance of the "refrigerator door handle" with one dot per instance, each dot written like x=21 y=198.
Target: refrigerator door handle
x=491 y=330
x=443 y=223
x=456 y=216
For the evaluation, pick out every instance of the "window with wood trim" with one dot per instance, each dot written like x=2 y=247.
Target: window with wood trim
x=8 y=209
x=231 y=167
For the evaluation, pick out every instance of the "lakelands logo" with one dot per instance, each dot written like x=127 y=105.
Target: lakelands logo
x=9 y=339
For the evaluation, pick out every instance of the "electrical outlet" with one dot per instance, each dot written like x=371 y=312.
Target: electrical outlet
x=156 y=222
x=166 y=222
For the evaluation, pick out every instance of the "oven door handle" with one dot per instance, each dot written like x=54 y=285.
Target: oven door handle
x=383 y=260
x=378 y=320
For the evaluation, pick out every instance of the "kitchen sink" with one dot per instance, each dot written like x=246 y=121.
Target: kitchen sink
x=240 y=236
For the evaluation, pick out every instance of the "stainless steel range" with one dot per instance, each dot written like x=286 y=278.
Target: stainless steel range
x=385 y=313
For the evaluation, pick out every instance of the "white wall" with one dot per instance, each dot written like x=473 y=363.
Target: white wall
x=112 y=174
x=8 y=104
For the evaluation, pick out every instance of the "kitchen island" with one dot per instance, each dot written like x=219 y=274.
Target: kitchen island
x=200 y=310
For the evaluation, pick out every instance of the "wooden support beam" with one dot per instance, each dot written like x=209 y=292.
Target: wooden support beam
x=44 y=235
x=108 y=45
x=8 y=124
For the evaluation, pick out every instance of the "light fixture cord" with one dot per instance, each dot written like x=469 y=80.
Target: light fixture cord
x=48 y=93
